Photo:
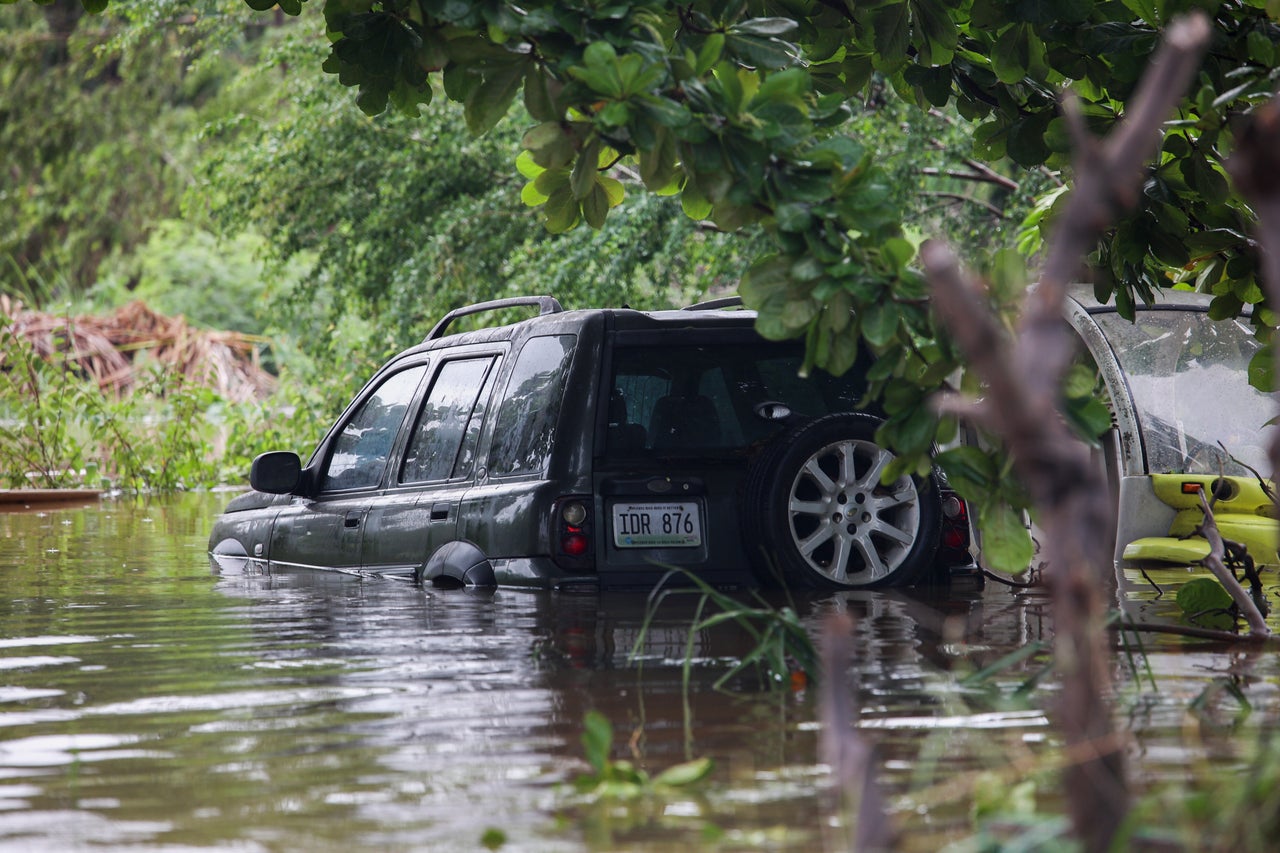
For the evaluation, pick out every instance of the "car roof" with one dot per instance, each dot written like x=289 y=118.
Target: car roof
x=1166 y=299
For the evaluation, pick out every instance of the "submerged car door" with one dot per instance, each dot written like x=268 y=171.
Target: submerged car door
x=325 y=531
x=418 y=512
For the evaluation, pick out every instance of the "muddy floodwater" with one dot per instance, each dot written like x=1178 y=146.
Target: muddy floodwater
x=149 y=700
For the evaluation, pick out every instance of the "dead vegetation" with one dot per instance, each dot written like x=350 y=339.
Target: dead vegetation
x=116 y=349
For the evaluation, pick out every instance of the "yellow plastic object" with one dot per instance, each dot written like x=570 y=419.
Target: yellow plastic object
x=1166 y=549
x=1243 y=513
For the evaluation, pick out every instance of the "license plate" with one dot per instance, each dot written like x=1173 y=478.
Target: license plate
x=657 y=525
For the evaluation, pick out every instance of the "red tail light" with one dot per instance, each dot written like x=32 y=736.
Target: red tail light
x=955 y=528
x=572 y=532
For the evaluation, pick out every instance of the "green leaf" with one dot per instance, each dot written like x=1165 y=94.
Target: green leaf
x=658 y=165
x=912 y=431
x=595 y=207
x=537 y=96
x=583 y=178
x=793 y=217
x=1011 y=53
x=1026 y=141
x=766 y=281
x=694 y=203
x=684 y=774
x=613 y=189
x=1006 y=541
x=1225 y=307
x=1262 y=369
x=561 y=210
x=880 y=322
x=531 y=196
x=971 y=472
x=898 y=252
x=763 y=26
x=891 y=25
x=936 y=32
x=1201 y=596
x=597 y=740
x=489 y=102
x=710 y=53
x=762 y=52
x=550 y=145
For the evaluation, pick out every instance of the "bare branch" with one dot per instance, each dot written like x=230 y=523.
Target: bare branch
x=1023 y=378
x=982 y=176
x=1213 y=562
x=988 y=206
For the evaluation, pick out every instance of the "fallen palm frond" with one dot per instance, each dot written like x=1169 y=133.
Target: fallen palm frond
x=109 y=349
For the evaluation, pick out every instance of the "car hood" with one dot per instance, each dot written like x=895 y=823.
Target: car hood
x=256 y=500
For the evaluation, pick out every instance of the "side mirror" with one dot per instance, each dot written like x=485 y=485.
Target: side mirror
x=276 y=473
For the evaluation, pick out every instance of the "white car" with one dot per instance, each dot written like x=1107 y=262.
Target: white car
x=1184 y=419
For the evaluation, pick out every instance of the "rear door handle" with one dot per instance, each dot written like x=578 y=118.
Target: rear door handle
x=440 y=512
x=352 y=520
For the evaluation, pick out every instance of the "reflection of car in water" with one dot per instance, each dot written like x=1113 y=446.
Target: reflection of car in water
x=1185 y=419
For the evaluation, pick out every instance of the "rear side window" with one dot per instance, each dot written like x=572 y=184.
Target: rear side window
x=523 y=432
x=703 y=398
x=438 y=435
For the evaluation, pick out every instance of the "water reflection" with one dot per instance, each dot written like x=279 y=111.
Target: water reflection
x=147 y=701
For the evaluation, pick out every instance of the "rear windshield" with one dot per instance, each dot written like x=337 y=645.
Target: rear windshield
x=696 y=399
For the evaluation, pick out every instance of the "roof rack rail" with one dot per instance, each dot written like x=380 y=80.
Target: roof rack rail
x=713 y=304
x=545 y=304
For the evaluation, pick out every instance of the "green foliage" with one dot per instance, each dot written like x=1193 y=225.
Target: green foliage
x=185 y=270
x=399 y=219
x=1203 y=601
x=780 y=644
x=612 y=779
x=98 y=137
x=43 y=441
x=58 y=430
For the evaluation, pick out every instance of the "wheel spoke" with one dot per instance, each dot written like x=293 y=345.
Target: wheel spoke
x=902 y=494
x=820 y=477
x=894 y=533
x=824 y=532
x=871 y=556
x=848 y=464
x=799 y=507
x=879 y=460
x=839 y=568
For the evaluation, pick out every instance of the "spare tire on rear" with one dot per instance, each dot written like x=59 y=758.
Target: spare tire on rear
x=815 y=510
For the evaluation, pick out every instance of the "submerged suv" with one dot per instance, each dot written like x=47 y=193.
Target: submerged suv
x=601 y=447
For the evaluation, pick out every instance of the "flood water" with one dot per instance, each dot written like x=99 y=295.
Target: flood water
x=149 y=700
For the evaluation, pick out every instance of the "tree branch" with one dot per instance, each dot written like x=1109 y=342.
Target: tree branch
x=1213 y=562
x=1023 y=378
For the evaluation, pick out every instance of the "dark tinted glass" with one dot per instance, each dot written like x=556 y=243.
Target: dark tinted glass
x=699 y=398
x=523 y=433
x=361 y=450
x=442 y=423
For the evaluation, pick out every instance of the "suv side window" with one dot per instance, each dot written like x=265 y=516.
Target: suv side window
x=443 y=422
x=523 y=433
x=360 y=452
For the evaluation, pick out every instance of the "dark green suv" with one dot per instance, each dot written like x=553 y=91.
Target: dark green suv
x=599 y=447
